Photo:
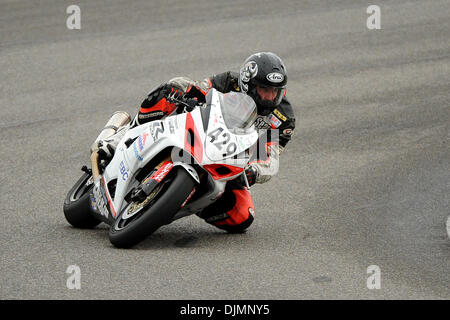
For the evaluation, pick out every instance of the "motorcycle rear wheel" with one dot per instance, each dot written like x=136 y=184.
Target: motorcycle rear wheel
x=130 y=229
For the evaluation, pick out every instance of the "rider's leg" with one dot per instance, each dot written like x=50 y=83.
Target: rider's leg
x=233 y=212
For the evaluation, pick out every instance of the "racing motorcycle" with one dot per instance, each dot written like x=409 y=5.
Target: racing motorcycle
x=166 y=169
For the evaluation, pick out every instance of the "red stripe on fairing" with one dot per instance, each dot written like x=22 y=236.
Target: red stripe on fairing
x=197 y=149
x=108 y=197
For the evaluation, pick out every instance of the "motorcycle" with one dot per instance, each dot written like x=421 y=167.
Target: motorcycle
x=166 y=169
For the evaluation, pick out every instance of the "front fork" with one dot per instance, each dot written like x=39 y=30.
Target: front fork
x=152 y=180
x=157 y=175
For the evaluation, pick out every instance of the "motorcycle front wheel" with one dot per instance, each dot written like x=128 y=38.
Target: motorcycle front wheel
x=140 y=219
x=77 y=205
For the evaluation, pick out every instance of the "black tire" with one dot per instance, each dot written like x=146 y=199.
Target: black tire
x=77 y=205
x=175 y=189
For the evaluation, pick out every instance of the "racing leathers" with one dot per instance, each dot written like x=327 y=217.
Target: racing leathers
x=234 y=211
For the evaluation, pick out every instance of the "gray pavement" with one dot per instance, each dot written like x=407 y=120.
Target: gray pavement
x=365 y=180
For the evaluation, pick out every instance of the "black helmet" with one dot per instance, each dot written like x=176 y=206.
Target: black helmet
x=264 y=74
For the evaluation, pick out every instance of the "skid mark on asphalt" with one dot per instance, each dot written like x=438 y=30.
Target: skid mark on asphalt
x=322 y=279
x=186 y=242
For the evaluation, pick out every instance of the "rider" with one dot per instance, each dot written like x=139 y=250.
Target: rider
x=263 y=77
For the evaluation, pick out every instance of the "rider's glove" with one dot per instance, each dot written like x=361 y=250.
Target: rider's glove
x=196 y=93
x=174 y=94
x=183 y=101
x=251 y=173
x=185 y=104
x=189 y=104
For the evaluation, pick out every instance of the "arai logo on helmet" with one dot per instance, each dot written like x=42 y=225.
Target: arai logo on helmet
x=275 y=77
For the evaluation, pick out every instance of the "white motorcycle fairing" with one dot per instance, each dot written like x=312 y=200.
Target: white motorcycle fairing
x=205 y=140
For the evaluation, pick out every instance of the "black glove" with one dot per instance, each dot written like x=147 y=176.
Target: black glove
x=173 y=94
x=190 y=104
x=193 y=92
x=251 y=174
x=185 y=104
x=162 y=91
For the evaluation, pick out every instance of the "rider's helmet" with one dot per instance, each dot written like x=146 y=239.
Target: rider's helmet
x=263 y=77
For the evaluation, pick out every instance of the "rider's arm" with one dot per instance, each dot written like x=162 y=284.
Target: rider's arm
x=268 y=167
x=287 y=117
x=266 y=162
x=157 y=105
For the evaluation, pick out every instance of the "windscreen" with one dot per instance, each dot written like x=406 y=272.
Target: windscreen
x=238 y=110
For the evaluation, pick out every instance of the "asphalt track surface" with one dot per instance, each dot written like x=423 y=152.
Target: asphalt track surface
x=365 y=180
